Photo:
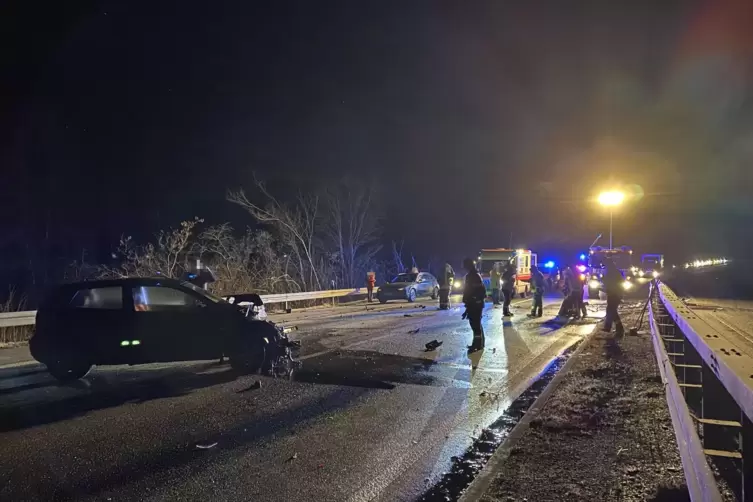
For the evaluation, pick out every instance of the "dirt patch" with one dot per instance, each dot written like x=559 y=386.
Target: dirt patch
x=605 y=433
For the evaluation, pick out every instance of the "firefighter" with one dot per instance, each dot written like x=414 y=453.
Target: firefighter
x=567 y=290
x=613 y=286
x=578 y=308
x=445 y=285
x=508 y=285
x=474 y=295
x=495 y=278
x=538 y=283
x=370 y=282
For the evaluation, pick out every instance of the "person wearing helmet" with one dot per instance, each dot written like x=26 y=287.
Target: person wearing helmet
x=538 y=283
x=474 y=295
x=445 y=285
x=508 y=285
x=613 y=281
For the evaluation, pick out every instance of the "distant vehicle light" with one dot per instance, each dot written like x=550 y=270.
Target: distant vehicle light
x=627 y=285
x=549 y=264
x=627 y=278
x=594 y=284
x=135 y=342
x=641 y=273
x=582 y=256
x=655 y=273
x=582 y=277
x=125 y=343
x=457 y=284
x=581 y=268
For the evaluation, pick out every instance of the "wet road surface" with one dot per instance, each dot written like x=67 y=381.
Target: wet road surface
x=369 y=416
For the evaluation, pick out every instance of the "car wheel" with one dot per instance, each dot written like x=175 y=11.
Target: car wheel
x=435 y=294
x=68 y=370
x=412 y=295
x=382 y=300
x=249 y=357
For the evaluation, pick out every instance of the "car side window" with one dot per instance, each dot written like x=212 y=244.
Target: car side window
x=421 y=278
x=110 y=298
x=160 y=298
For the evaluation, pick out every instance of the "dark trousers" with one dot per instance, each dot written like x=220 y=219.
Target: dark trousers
x=474 y=319
x=538 y=303
x=507 y=293
x=370 y=293
x=567 y=305
x=495 y=296
x=444 y=297
x=613 y=316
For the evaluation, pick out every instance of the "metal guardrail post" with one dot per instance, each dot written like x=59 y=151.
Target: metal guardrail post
x=712 y=369
x=700 y=480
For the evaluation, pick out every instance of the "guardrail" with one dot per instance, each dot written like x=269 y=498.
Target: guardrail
x=28 y=317
x=708 y=379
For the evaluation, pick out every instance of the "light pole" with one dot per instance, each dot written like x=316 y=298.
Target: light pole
x=611 y=199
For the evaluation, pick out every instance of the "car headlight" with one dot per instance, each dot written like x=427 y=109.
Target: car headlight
x=457 y=284
x=401 y=289
x=655 y=273
x=594 y=284
x=627 y=285
x=641 y=273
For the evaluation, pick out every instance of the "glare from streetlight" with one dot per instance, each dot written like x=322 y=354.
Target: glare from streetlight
x=611 y=198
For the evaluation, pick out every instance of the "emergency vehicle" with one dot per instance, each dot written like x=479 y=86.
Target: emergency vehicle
x=524 y=260
x=652 y=265
x=622 y=257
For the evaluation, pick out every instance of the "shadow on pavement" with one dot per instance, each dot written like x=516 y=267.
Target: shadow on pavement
x=365 y=369
x=101 y=392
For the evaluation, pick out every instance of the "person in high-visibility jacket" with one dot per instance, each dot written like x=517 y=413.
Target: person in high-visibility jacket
x=538 y=283
x=370 y=282
x=446 y=281
x=495 y=280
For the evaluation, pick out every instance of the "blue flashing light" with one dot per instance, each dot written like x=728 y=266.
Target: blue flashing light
x=549 y=264
x=582 y=256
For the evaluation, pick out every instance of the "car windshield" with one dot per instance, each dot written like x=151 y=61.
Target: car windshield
x=405 y=278
x=203 y=292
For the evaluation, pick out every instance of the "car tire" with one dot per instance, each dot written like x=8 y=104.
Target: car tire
x=412 y=296
x=435 y=293
x=249 y=357
x=68 y=370
x=382 y=300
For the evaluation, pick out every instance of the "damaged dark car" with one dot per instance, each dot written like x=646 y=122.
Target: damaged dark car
x=148 y=320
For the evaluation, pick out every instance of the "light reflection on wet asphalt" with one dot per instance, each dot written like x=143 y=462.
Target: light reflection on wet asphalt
x=437 y=403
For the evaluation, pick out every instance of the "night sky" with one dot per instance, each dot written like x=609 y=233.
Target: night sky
x=478 y=119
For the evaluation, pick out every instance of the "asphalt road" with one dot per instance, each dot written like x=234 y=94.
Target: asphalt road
x=368 y=416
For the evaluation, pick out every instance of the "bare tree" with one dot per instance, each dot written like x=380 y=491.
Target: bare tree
x=352 y=227
x=296 y=226
x=167 y=257
x=397 y=257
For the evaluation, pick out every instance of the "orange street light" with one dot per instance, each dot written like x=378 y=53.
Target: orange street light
x=611 y=199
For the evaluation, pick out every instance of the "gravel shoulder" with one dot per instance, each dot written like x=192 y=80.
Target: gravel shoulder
x=604 y=434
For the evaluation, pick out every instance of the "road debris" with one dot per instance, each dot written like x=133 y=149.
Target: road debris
x=254 y=386
x=414 y=331
x=433 y=345
x=205 y=446
x=294 y=456
x=407 y=315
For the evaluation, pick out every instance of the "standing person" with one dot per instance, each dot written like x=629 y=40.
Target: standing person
x=538 y=283
x=445 y=285
x=508 y=284
x=578 y=309
x=567 y=290
x=370 y=282
x=613 y=281
x=495 y=279
x=474 y=295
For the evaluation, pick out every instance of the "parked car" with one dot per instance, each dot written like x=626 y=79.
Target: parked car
x=409 y=286
x=145 y=320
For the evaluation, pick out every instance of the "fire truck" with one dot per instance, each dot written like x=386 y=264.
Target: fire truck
x=622 y=257
x=524 y=260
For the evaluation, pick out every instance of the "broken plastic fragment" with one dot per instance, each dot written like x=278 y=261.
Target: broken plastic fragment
x=206 y=446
